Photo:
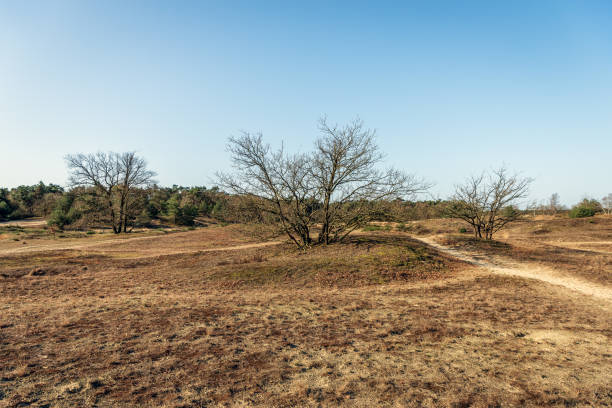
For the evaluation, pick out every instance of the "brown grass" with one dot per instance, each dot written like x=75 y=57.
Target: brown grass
x=574 y=246
x=379 y=321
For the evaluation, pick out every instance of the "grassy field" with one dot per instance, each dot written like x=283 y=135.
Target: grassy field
x=213 y=317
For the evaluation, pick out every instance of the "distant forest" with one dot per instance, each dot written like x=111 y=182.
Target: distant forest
x=82 y=208
x=79 y=208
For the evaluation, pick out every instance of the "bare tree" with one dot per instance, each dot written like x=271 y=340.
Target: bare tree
x=606 y=204
x=133 y=174
x=487 y=202
x=554 y=204
x=349 y=182
x=114 y=176
x=273 y=184
x=338 y=186
x=533 y=207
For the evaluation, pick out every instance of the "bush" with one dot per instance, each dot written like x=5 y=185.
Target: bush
x=5 y=209
x=581 y=212
x=18 y=214
x=403 y=227
x=185 y=215
x=64 y=213
x=586 y=208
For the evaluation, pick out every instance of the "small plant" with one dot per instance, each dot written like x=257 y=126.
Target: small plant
x=90 y=232
x=403 y=227
x=462 y=230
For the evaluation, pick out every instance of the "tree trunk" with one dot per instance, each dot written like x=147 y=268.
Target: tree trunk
x=112 y=214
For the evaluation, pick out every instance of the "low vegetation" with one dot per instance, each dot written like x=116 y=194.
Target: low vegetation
x=586 y=208
x=382 y=319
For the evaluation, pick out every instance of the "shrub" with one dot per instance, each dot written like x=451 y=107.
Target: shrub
x=586 y=208
x=462 y=230
x=581 y=212
x=5 y=209
x=64 y=213
x=403 y=227
x=18 y=214
x=143 y=219
x=185 y=215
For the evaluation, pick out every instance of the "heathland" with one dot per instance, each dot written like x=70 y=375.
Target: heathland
x=412 y=314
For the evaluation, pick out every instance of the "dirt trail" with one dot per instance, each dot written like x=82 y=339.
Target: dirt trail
x=228 y=248
x=54 y=247
x=95 y=244
x=32 y=222
x=524 y=270
x=580 y=245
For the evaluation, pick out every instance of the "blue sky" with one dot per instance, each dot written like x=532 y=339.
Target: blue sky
x=451 y=87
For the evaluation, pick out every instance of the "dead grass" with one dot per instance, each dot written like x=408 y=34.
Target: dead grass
x=380 y=321
x=544 y=242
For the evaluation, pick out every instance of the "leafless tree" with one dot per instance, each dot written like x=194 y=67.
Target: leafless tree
x=274 y=184
x=338 y=186
x=114 y=176
x=348 y=181
x=133 y=173
x=487 y=202
x=533 y=207
x=554 y=204
x=606 y=204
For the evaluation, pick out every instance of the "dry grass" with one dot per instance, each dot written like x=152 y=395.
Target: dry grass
x=577 y=246
x=380 y=321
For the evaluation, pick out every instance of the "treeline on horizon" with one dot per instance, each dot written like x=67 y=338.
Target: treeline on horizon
x=82 y=208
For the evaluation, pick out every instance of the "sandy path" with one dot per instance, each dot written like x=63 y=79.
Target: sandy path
x=96 y=244
x=580 y=245
x=524 y=270
x=36 y=222
x=228 y=248
x=54 y=247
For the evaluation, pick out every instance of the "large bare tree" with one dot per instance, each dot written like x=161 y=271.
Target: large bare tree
x=338 y=186
x=349 y=182
x=274 y=184
x=114 y=176
x=487 y=201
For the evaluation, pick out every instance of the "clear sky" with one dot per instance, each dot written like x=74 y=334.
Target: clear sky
x=451 y=87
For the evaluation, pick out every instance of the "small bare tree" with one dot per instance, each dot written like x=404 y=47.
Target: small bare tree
x=113 y=176
x=487 y=202
x=349 y=182
x=554 y=204
x=606 y=204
